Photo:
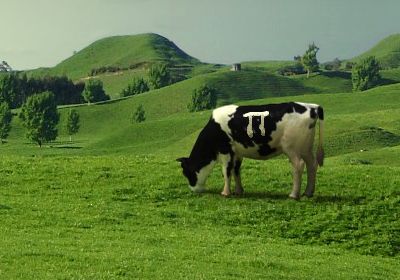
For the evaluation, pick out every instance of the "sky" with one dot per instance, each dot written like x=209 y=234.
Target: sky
x=42 y=33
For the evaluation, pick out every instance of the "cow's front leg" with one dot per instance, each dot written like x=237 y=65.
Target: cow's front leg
x=227 y=166
x=238 y=181
x=298 y=167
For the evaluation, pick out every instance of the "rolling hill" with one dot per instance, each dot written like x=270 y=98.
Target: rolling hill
x=387 y=51
x=126 y=52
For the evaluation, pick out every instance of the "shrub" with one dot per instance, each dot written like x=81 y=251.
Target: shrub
x=5 y=120
x=203 y=98
x=139 y=114
x=159 y=76
x=365 y=74
x=138 y=85
x=94 y=91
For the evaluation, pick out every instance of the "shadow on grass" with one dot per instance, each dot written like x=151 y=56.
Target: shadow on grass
x=4 y=207
x=337 y=74
x=318 y=198
x=67 y=147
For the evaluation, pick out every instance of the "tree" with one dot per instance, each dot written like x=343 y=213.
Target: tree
x=139 y=114
x=5 y=120
x=94 y=91
x=72 y=125
x=203 y=98
x=159 y=76
x=365 y=74
x=309 y=59
x=40 y=117
x=138 y=85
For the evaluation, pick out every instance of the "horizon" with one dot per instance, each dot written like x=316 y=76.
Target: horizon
x=211 y=31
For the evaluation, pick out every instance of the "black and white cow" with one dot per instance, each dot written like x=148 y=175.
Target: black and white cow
x=257 y=132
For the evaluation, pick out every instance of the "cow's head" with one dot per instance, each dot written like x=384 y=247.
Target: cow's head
x=190 y=173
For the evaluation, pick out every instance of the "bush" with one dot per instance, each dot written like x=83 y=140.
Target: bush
x=5 y=120
x=159 y=76
x=365 y=74
x=139 y=114
x=290 y=70
x=94 y=91
x=138 y=85
x=203 y=98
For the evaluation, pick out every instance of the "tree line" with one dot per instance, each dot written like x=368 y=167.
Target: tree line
x=16 y=88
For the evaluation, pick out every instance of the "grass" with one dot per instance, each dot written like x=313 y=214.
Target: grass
x=122 y=217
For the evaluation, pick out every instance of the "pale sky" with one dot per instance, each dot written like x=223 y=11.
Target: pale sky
x=36 y=33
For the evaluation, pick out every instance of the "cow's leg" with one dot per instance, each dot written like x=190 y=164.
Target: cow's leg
x=227 y=167
x=238 y=181
x=311 y=173
x=297 y=167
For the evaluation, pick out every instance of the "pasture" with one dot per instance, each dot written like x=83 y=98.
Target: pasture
x=114 y=205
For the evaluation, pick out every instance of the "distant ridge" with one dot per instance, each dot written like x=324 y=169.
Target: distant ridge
x=387 y=51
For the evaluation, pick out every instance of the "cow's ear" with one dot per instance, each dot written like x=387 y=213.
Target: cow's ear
x=182 y=160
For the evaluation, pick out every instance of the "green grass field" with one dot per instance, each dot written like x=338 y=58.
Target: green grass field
x=113 y=204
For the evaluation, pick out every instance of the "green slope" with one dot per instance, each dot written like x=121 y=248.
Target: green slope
x=386 y=51
x=355 y=121
x=121 y=51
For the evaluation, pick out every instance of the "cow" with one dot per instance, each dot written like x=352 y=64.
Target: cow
x=258 y=132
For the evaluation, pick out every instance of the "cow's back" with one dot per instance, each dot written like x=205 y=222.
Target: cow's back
x=264 y=131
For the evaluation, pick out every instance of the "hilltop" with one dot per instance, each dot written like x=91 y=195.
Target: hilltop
x=387 y=51
x=120 y=52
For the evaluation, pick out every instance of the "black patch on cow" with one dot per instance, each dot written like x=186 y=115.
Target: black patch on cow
x=229 y=168
x=299 y=108
x=320 y=112
x=313 y=114
x=188 y=171
x=238 y=124
x=238 y=164
x=211 y=141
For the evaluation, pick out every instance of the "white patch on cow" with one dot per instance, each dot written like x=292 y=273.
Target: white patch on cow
x=250 y=115
x=293 y=133
x=223 y=115
x=202 y=176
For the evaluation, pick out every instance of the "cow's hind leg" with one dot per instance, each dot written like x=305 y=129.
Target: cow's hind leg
x=298 y=168
x=227 y=161
x=236 y=173
x=311 y=174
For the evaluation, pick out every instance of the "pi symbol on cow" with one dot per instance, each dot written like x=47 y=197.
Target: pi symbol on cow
x=250 y=115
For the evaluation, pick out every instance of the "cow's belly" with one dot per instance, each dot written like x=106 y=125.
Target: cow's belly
x=254 y=152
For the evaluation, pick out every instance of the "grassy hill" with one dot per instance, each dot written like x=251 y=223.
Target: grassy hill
x=120 y=51
x=386 y=51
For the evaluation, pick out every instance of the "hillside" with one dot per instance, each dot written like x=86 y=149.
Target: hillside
x=387 y=51
x=131 y=51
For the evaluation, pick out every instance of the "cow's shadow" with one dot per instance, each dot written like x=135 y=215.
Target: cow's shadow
x=318 y=198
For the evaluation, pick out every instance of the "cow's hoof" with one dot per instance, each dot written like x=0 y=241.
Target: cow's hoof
x=308 y=195
x=225 y=194
x=239 y=192
x=295 y=197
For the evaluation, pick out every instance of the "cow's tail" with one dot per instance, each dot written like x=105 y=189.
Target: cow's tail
x=320 y=150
